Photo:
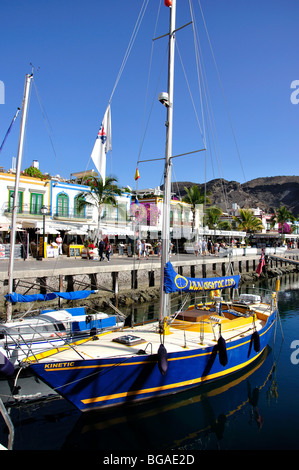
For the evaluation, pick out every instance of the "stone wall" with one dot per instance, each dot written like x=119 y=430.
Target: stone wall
x=125 y=282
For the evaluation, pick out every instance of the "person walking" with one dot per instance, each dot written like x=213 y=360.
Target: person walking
x=139 y=248
x=108 y=251
x=144 y=250
x=159 y=245
x=101 y=249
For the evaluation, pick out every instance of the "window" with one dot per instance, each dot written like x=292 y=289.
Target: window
x=79 y=212
x=36 y=202
x=62 y=205
x=10 y=201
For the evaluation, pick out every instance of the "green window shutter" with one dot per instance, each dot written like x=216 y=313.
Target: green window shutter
x=36 y=203
x=62 y=205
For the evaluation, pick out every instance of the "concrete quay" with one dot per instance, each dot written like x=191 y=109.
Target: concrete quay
x=122 y=273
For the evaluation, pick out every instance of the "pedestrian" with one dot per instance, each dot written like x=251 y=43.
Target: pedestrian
x=216 y=249
x=139 y=248
x=59 y=244
x=196 y=248
x=108 y=251
x=209 y=246
x=170 y=249
x=101 y=249
x=159 y=244
x=204 y=248
x=144 y=250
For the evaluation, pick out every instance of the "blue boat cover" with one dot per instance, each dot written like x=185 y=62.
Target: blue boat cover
x=81 y=294
x=174 y=282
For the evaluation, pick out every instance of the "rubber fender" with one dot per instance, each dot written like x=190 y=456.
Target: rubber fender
x=162 y=359
x=256 y=341
x=222 y=351
x=6 y=367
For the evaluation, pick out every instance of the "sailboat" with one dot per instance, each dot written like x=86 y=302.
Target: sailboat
x=27 y=335
x=211 y=339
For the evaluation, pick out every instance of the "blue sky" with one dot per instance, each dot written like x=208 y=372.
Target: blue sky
x=79 y=47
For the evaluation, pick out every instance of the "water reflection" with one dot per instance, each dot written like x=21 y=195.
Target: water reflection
x=191 y=420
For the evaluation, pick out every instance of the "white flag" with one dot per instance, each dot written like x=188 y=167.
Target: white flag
x=102 y=144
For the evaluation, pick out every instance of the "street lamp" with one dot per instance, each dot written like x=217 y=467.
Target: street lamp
x=44 y=211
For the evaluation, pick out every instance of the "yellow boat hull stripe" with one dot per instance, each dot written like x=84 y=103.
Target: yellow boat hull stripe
x=169 y=386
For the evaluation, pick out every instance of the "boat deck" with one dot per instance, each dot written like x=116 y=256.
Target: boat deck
x=182 y=335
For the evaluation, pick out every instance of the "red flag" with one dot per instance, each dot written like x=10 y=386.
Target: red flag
x=261 y=264
x=137 y=175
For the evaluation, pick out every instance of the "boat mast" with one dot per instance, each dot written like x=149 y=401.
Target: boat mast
x=164 y=305
x=28 y=79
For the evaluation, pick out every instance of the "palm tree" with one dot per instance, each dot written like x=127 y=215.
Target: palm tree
x=101 y=193
x=195 y=197
x=247 y=221
x=282 y=216
x=213 y=214
x=224 y=225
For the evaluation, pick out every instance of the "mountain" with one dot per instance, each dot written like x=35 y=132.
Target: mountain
x=266 y=193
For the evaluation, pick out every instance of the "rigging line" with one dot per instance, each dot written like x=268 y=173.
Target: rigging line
x=9 y=129
x=221 y=86
x=209 y=107
x=153 y=102
x=46 y=122
x=201 y=88
x=148 y=82
x=130 y=45
x=190 y=93
x=25 y=132
x=127 y=53
x=198 y=65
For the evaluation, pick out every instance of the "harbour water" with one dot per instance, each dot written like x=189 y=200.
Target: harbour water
x=253 y=410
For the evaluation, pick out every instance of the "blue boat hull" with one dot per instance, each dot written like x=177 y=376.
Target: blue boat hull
x=97 y=383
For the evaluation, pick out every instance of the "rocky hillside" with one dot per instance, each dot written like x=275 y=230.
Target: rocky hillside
x=267 y=193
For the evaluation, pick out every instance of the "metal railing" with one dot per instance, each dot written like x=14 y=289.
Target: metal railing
x=9 y=424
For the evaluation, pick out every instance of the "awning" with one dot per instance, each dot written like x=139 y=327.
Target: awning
x=116 y=231
x=31 y=224
x=76 y=231
x=49 y=231
x=5 y=223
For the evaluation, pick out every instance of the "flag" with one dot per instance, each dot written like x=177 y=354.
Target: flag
x=137 y=175
x=102 y=144
x=136 y=200
x=262 y=263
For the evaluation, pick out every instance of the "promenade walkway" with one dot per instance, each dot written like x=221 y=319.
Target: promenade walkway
x=123 y=272
x=63 y=264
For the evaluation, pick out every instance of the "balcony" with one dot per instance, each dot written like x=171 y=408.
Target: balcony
x=55 y=213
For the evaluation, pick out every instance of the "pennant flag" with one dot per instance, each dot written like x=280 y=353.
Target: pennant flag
x=137 y=175
x=102 y=144
x=136 y=200
x=174 y=282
